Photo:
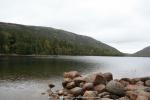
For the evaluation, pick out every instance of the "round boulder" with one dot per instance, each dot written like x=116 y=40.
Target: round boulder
x=115 y=88
x=108 y=76
x=147 y=83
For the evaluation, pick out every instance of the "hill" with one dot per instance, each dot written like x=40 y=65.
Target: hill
x=26 y=40
x=143 y=53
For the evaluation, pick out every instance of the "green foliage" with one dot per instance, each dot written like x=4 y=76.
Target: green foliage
x=19 y=39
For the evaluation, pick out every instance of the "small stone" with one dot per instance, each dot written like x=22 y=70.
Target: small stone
x=71 y=74
x=142 y=98
x=124 y=98
x=115 y=87
x=90 y=95
x=88 y=86
x=60 y=92
x=147 y=83
x=103 y=94
x=100 y=88
x=51 y=85
x=76 y=91
x=70 y=85
x=108 y=76
x=43 y=93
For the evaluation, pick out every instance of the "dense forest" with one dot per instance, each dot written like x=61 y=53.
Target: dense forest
x=27 y=40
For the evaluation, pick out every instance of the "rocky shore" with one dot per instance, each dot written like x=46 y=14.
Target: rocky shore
x=100 y=86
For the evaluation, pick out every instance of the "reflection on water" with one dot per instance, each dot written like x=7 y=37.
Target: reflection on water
x=25 y=78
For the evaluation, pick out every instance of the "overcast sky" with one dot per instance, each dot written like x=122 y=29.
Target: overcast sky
x=123 y=24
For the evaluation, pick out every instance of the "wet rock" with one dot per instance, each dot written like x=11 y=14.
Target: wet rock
x=76 y=91
x=71 y=74
x=43 y=93
x=51 y=85
x=64 y=84
x=141 y=98
x=147 y=83
x=108 y=76
x=70 y=85
x=115 y=87
x=100 y=88
x=88 y=86
x=90 y=95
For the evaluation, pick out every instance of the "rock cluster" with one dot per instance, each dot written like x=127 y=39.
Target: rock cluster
x=101 y=86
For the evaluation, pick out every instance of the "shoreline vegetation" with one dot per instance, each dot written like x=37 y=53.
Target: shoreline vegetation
x=100 y=86
x=28 y=40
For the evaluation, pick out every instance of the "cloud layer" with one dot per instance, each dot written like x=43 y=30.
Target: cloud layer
x=123 y=24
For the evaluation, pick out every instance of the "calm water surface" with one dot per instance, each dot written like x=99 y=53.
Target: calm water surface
x=25 y=78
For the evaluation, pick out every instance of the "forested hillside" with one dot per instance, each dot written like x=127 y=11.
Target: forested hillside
x=26 y=40
x=143 y=53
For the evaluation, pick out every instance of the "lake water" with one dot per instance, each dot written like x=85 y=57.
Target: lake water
x=25 y=78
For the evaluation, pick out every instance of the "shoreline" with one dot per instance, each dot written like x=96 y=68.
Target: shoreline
x=100 y=86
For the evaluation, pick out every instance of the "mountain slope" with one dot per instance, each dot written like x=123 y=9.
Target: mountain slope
x=22 y=39
x=143 y=53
